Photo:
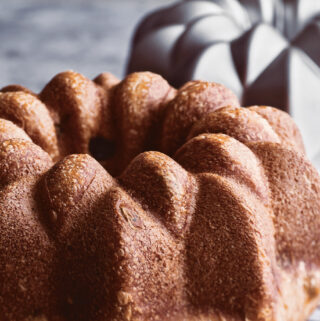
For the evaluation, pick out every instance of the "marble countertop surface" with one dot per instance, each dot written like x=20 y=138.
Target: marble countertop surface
x=40 y=38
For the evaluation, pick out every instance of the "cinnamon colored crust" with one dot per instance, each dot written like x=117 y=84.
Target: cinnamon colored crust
x=207 y=211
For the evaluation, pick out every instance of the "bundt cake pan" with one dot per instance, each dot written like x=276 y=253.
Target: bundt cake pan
x=267 y=52
x=212 y=211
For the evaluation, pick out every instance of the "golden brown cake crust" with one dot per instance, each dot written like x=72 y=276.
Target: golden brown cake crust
x=195 y=209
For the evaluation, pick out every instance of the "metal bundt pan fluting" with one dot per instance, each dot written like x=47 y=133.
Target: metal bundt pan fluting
x=267 y=52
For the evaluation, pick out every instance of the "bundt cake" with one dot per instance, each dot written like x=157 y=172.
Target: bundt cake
x=207 y=211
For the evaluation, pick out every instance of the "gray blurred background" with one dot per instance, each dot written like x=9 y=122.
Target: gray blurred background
x=40 y=38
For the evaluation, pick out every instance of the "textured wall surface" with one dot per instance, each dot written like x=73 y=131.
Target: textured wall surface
x=41 y=38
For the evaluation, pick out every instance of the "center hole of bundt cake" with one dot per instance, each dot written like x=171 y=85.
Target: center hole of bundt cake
x=101 y=148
